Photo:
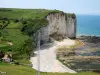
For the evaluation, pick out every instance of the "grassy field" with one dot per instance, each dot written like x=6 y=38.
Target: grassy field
x=24 y=13
x=18 y=39
x=3 y=44
x=24 y=70
x=15 y=36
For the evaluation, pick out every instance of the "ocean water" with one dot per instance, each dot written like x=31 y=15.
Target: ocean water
x=88 y=25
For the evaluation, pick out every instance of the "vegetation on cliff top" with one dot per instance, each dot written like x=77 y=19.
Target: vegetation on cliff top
x=11 y=13
x=17 y=27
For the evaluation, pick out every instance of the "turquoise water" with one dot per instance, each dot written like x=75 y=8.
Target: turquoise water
x=88 y=25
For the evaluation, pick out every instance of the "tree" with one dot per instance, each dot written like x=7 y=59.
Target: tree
x=31 y=26
x=1 y=54
x=28 y=47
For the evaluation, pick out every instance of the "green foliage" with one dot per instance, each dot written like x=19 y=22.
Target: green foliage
x=15 y=36
x=31 y=26
x=1 y=54
x=0 y=35
x=13 y=25
x=16 y=20
x=24 y=13
x=3 y=44
x=20 y=43
x=71 y=15
x=17 y=26
x=27 y=47
x=4 y=10
x=4 y=23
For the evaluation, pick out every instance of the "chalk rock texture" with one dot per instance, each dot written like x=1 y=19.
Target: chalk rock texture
x=62 y=24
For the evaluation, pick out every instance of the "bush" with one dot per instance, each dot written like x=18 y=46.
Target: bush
x=17 y=63
x=4 y=23
x=31 y=26
x=27 y=47
x=1 y=54
x=16 y=21
x=24 y=22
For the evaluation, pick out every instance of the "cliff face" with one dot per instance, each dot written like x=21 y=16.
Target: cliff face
x=57 y=24
x=60 y=24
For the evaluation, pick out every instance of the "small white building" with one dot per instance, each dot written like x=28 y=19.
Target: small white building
x=7 y=58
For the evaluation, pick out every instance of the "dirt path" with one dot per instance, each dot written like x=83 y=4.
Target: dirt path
x=48 y=61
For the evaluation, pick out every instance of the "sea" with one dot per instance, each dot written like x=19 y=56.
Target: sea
x=88 y=25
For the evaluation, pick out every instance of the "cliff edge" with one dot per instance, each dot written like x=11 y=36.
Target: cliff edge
x=61 y=26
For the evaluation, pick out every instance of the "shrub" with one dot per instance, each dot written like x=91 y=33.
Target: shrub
x=16 y=21
x=1 y=54
x=27 y=47
x=31 y=26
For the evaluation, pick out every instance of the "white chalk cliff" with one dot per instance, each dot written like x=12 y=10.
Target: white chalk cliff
x=60 y=23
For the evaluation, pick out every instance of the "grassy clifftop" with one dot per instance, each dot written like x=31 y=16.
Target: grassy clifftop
x=24 y=13
x=13 y=13
x=17 y=27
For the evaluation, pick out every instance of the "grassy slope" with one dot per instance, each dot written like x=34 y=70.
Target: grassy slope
x=22 y=70
x=12 y=33
x=15 y=36
x=17 y=39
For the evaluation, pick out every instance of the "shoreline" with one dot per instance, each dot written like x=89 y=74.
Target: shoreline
x=49 y=63
x=79 y=35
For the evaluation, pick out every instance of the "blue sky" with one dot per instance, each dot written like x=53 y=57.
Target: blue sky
x=72 y=6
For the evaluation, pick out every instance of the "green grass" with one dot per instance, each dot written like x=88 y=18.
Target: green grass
x=25 y=13
x=3 y=44
x=14 y=25
x=15 y=36
x=24 y=70
x=18 y=39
